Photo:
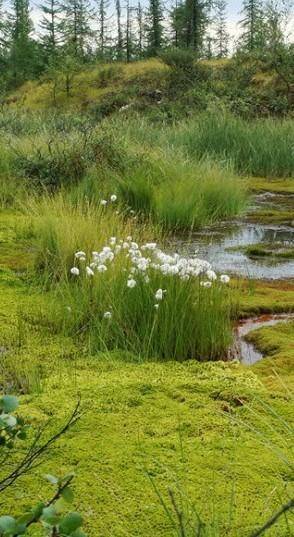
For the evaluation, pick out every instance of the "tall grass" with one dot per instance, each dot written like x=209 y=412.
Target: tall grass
x=176 y=191
x=194 y=196
x=190 y=321
x=179 y=194
x=61 y=227
x=258 y=147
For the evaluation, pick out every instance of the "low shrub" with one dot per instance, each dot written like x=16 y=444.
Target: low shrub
x=64 y=161
x=185 y=69
x=109 y=74
x=52 y=163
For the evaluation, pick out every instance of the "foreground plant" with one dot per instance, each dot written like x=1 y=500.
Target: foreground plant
x=146 y=301
x=49 y=515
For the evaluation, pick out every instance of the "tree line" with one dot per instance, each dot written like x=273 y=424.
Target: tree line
x=79 y=31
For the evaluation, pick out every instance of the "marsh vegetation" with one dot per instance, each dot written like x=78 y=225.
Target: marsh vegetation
x=146 y=219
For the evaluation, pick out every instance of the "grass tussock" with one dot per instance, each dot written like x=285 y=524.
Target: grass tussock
x=176 y=192
x=118 y=304
x=260 y=148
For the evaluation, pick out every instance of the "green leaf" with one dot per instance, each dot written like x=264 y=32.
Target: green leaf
x=38 y=510
x=70 y=523
x=8 y=403
x=52 y=479
x=21 y=529
x=7 y=525
x=8 y=420
x=25 y=519
x=50 y=516
x=67 y=495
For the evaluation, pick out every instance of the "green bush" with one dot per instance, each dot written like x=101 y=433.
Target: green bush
x=51 y=164
x=64 y=161
x=109 y=74
x=185 y=70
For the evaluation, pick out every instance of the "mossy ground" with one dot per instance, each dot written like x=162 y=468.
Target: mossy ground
x=272 y=250
x=276 y=186
x=215 y=433
x=272 y=216
x=111 y=85
x=258 y=297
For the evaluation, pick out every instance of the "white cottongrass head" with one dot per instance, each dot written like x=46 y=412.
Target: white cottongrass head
x=75 y=271
x=102 y=268
x=107 y=315
x=159 y=294
x=225 y=278
x=113 y=198
x=207 y=285
x=80 y=255
x=89 y=272
x=103 y=203
x=211 y=275
x=131 y=283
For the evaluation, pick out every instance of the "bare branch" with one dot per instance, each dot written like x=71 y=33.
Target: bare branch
x=31 y=459
x=287 y=507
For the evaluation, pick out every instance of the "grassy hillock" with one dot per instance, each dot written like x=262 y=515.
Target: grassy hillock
x=104 y=88
x=222 y=111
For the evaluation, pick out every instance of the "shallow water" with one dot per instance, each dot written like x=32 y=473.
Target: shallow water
x=248 y=353
x=215 y=245
x=219 y=244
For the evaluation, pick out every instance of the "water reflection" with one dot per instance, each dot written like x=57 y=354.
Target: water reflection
x=220 y=244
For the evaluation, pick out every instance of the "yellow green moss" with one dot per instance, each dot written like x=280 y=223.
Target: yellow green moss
x=277 y=345
x=277 y=186
x=273 y=250
x=272 y=216
x=257 y=297
x=201 y=429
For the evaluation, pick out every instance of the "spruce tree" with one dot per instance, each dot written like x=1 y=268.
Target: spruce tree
x=277 y=13
x=154 y=27
x=189 y=24
x=1 y=22
x=2 y=30
x=252 y=24
x=140 y=25
x=23 y=57
x=177 y=17
x=3 y=41
x=51 y=25
x=76 y=27
x=196 y=23
x=103 y=31
x=221 y=33
x=119 y=44
x=130 y=45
